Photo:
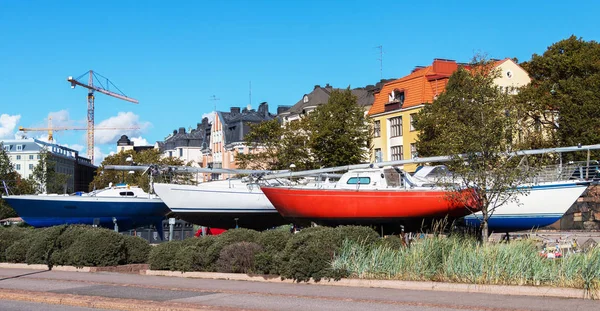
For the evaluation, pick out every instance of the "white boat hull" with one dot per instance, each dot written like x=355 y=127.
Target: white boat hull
x=221 y=204
x=543 y=205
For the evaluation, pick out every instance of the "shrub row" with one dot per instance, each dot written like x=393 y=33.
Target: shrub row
x=74 y=245
x=301 y=256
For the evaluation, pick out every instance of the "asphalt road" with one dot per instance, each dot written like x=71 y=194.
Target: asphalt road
x=26 y=289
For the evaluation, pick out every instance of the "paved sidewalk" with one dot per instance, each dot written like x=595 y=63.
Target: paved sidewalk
x=142 y=292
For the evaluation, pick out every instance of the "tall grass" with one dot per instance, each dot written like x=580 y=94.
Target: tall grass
x=464 y=260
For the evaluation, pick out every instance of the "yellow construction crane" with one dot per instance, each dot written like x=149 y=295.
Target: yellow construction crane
x=99 y=87
x=51 y=129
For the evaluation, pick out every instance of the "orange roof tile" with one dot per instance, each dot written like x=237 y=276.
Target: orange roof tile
x=419 y=87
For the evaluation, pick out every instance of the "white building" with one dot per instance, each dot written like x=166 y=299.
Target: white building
x=24 y=154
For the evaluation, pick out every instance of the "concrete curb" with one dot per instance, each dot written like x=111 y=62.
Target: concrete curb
x=44 y=267
x=540 y=291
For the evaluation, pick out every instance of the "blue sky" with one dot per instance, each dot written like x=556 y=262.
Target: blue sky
x=174 y=55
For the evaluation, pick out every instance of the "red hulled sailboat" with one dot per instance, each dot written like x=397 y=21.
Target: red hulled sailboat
x=372 y=196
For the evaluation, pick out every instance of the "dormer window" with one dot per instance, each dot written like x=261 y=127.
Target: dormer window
x=305 y=99
x=396 y=96
x=395 y=100
x=19 y=147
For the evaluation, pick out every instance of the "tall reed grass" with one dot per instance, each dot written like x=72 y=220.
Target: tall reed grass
x=464 y=260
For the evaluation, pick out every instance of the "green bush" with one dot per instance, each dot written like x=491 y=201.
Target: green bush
x=43 y=245
x=72 y=233
x=238 y=257
x=227 y=238
x=17 y=252
x=273 y=242
x=308 y=254
x=98 y=247
x=360 y=234
x=163 y=256
x=10 y=235
x=137 y=249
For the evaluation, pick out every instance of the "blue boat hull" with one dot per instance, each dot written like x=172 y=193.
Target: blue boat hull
x=510 y=223
x=44 y=212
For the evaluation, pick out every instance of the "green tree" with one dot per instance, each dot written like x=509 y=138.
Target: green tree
x=339 y=133
x=275 y=147
x=476 y=119
x=45 y=178
x=566 y=79
x=105 y=177
x=336 y=133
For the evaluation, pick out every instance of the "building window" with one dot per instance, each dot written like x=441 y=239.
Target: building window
x=413 y=150
x=31 y=157
x=397 y=153
x=170 y=154
x=7 y=148
x=396 y=127
x=30 y=166
x=19 y=147
x=378 y=155
x=377 y=128
x=305 y=99
x=180 y=152
x=39 y=156
x=18 y=167
x=412 y=121
x=18 y=157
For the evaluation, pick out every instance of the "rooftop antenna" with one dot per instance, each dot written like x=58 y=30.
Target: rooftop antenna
x=250 y=95
x=214 y=99
x=380 y=59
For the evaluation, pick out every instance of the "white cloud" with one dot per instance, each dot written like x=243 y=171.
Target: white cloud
x=8 y=124
x=44 y=137
x=139 y=141
x=62 y=118
x=121 y=120
x=99 y=155
x=210 y=116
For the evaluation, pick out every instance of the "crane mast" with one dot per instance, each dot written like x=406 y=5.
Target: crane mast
x=90 y=103
x=90 y=118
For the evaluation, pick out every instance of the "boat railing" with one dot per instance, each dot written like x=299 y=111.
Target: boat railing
x=569 y=171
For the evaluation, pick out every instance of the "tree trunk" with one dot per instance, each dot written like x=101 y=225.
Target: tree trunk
x=484 y=221
x=484 y=230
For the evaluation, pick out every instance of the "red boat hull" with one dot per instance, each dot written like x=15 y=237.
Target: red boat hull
x=369 y=206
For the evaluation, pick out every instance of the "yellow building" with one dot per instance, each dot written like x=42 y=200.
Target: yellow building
x=398 y=101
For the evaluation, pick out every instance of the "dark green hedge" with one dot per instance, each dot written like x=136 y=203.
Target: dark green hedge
x=75 y=245
x=301 y=256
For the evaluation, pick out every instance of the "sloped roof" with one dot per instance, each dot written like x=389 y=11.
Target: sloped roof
x=235 y=123
x=420 y=86
x=320 y=95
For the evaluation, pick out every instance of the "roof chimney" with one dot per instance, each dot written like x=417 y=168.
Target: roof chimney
x=182 y=130
x=263 y=109
x=444 y=66
x=282 y=109
x=329 y=87
x=316 y=87
x=235 y=110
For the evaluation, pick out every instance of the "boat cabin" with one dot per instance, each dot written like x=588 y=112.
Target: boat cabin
x=375 y=178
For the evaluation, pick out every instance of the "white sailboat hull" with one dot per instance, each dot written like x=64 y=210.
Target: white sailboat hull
x=543 y=205
x=220 y=204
